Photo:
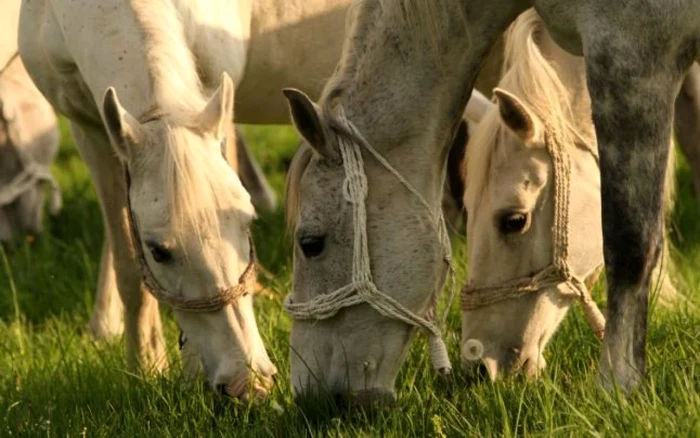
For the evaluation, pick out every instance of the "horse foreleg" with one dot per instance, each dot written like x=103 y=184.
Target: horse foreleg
x=687 y=123
x=632 y=99
x=107 y=320
x=253 y=178
x=143 y=333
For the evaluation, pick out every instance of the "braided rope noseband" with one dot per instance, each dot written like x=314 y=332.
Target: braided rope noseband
x=32 y=172
x=223 y=297
x=559 y=271
x=362 y=288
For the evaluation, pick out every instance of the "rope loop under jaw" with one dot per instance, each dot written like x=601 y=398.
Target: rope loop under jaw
x=559 y=273
x=362 y=288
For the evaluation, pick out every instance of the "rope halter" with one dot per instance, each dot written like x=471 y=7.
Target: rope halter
x=559 y=272
x=223 y=296
x=32 y=172
x=362 y=288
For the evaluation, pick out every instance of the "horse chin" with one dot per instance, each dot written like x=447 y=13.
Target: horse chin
x=519 y=348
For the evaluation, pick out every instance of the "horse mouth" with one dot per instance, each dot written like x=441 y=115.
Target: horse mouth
x=248 y=387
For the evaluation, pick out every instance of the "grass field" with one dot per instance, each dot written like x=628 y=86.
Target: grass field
x=56 y=381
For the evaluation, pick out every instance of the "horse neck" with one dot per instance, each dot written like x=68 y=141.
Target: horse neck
x=405 y=102
x=126 y=59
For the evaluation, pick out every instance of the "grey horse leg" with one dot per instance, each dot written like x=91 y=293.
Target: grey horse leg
x=632 y=95
x=687 y=123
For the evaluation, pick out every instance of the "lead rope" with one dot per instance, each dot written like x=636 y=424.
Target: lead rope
x=362 y=288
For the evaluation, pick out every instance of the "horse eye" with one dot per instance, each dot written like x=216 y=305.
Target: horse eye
x=511 y=223
x=159 y=253
x=312 y=246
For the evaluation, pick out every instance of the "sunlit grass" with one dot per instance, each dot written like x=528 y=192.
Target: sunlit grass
x=56 y=381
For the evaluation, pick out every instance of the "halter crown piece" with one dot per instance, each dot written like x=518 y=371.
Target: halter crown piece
x=32 y=172
x=221 y=299
x=557 y=273
x=362 y=288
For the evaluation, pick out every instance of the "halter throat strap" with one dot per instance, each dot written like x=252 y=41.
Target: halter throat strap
x=362 y=288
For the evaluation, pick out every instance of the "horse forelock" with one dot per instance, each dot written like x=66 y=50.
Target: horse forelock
x=196 y=189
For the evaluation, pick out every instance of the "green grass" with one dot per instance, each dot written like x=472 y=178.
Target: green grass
x=56 y=381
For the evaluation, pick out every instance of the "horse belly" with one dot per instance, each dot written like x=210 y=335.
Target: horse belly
x=297 y=53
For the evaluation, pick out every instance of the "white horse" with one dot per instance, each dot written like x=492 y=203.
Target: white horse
x=142 y=85
x=513 y=199
x=29 y=139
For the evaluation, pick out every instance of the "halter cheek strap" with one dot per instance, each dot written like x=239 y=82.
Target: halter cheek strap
x=559 y=272
x=362 y=288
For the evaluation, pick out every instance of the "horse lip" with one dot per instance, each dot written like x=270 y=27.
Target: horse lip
x=241 y=388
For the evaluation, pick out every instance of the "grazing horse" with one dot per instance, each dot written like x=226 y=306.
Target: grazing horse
x=542 y=118
x=256 y=43
x=28 y=144
x=150 y=105
x=398 y=93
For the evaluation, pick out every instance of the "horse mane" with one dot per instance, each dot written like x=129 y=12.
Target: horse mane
x=529 y=75
x=194 y=184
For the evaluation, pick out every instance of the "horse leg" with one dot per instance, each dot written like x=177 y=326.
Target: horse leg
x=252 y=177
x=687 y=123
x=664 y=290
x=632 y=97
x=107 y=320
x=144 y=339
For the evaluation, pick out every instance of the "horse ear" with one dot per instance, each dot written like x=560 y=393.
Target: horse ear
x=219 y=110
x=477 y=107
x=517 y=116
x=456 y=170
x=306 y=119
x=123 y=129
